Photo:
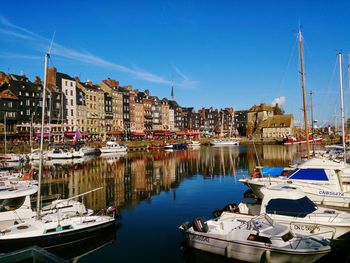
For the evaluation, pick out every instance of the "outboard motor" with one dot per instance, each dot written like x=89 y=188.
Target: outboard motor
x=186 y=225
x=217 y=213
x=200 y=225
x=231 y=208
x=112 y=211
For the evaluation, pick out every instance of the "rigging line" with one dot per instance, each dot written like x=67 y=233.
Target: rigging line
x=330 y=100
x=288 y=65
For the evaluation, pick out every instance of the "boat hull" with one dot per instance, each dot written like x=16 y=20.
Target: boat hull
x=58 y=241
x=246 y=251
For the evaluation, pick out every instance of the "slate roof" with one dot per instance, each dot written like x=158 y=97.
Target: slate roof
x=278 y=121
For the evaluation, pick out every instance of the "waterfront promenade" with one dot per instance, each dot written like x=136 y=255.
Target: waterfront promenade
x=24 y=147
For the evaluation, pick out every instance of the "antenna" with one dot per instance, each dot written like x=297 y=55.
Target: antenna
x=53 y=37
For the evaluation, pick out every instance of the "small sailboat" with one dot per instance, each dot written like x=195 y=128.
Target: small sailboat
x=225 y=141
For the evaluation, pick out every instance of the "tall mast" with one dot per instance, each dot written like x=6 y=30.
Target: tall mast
x=340 y=56
x=312 y=124
x=47 y=55
x=5 y=150
x=304 y=94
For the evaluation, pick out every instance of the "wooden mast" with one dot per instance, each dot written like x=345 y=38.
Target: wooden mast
x=304 y=94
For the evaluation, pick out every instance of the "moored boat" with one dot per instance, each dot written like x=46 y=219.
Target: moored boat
x=254 y=240
x=290 y=206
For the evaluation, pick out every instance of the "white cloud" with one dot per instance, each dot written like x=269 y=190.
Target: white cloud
x=42 y=44
x=280 y=101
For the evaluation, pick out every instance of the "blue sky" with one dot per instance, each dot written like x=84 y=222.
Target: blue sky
x=218 y=53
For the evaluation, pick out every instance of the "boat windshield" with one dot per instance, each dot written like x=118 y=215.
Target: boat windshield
x=309 y=174
x=11 y=203
x=287 y=207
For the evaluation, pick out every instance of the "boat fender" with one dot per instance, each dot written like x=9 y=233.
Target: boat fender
x=200 y=225
x=228 y=251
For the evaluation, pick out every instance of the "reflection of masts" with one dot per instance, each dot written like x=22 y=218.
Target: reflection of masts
x=304 y=94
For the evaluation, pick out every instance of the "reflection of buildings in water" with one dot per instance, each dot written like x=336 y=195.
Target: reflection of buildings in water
x=270 y=155
x=219 y=160
x=140 y=175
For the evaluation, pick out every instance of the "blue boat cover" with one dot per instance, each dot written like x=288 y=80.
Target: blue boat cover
x=272 y=171
x=309 y=174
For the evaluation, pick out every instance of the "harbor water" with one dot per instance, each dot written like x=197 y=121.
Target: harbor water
x=155 y=192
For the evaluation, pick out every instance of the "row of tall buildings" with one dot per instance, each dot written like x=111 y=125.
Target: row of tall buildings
x=106 y=109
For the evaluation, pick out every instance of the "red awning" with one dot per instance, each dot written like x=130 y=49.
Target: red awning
x=164 y=133
x=187 y=133
x=138 y=134
x=46 y=135
x=23 y=134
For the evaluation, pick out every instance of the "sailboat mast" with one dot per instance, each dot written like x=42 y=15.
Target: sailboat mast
x=304 y=94
x=340 y=56
x=5 y=150
x=312 y=124
x=38 y=205
x=31 y=135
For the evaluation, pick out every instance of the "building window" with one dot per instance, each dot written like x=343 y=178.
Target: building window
x=71 y=112
x=71 y=92
x=66 y=82
x=71 y=84
x=28 y=112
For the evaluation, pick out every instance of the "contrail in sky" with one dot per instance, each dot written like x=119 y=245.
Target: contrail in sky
x=40 y=43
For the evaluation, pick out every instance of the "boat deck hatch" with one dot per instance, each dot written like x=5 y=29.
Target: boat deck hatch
x=58 y=229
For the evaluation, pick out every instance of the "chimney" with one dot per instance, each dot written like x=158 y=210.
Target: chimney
x=37 y=80
x=51 y=76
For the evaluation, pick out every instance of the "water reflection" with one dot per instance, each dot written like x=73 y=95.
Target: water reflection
x=130 y=178
x=157 y=191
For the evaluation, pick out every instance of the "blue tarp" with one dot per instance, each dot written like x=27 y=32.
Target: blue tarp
x=309 y=174
x=271 y=171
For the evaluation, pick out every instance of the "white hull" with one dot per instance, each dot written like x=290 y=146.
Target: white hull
x=320 y=194
x=224 y=143
x=113 y=150
x=248 y=252
x=258 y=239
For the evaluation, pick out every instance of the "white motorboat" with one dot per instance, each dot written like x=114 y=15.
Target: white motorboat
x=224 y=142
x=194 y=144
x=324 y=181
x=77 y=153
x=12 y=157
x=90 y=150
x=290 y=206
x=113 y=147
x=59 y=154
x=258 y=239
